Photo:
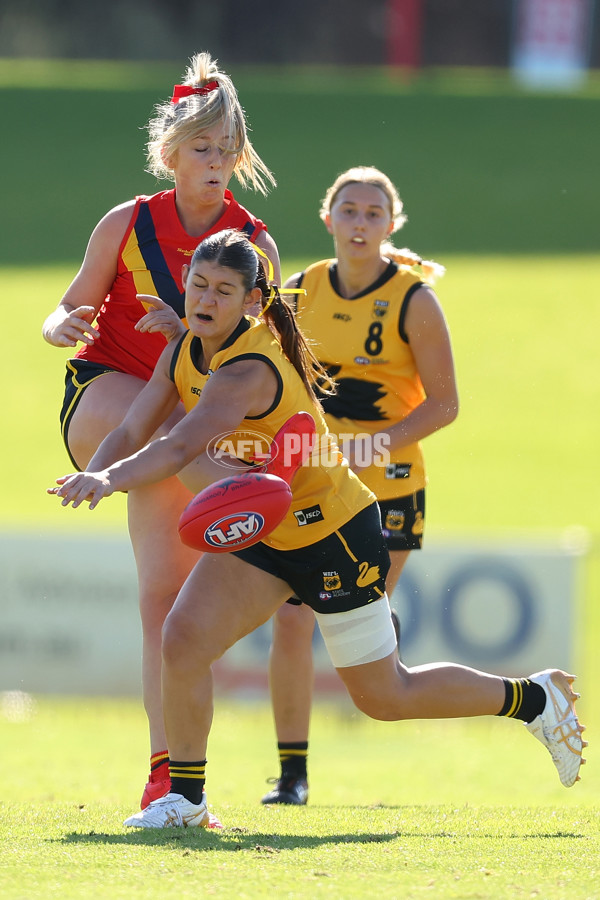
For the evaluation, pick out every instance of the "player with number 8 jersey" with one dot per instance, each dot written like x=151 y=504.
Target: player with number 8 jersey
x=363 y=345
x=378 y=329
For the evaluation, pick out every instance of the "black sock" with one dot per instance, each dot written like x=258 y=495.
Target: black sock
x=187 y=778
x=292 y=757
x=524 y=699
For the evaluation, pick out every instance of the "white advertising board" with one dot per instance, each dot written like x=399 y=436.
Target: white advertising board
x=551 y=42
x=69 y=622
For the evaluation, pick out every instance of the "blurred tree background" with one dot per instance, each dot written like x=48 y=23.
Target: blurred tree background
x=334 y=32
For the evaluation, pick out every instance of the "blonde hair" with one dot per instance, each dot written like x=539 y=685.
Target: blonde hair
x=428 y=269
x=175 y=123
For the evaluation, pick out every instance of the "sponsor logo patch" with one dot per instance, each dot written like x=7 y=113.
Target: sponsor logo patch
x=398 y=470
x=309 y=515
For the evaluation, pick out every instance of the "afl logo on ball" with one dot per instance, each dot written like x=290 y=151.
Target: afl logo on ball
x=236 y=528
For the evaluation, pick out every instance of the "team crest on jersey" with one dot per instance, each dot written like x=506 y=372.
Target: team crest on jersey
x=332 y=587
x=394 y=520
x=380 y=307
x=331 y=581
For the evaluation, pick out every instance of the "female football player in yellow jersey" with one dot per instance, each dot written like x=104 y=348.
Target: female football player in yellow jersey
x=378 y=328
x=246 y=370
x=198 y=140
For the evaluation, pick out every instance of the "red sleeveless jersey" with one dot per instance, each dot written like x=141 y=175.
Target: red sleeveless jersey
x=151 y=256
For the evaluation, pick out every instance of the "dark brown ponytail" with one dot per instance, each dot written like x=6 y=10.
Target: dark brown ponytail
x=280 y=317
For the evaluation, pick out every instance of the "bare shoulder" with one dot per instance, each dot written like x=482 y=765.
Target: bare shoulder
x=424 y=301
x=116 y=219
x=425 y=317
x=293 y=280
x=99 y=266
x=266 y=243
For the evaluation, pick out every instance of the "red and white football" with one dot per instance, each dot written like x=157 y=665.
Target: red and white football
x=235 y=512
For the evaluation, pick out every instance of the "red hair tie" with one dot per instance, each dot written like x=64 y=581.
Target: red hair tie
x=186 y=90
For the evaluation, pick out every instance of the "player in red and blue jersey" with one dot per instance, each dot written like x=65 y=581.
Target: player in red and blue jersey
x=198 y=140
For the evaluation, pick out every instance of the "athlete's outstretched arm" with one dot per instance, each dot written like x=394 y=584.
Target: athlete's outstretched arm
x=149 y=410
x=244 y=388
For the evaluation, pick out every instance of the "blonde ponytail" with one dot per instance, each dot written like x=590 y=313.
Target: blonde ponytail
x=429 y=270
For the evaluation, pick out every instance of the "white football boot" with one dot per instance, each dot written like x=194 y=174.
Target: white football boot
x=173 y=811
x=557 y=727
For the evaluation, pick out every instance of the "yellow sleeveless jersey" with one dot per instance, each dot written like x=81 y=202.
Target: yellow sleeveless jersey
x=361 y=342
x=325 y=492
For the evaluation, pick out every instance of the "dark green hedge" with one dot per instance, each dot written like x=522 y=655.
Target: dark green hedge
x=481 y=169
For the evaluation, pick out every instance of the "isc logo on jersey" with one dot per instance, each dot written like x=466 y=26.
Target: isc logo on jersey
x=234 y=528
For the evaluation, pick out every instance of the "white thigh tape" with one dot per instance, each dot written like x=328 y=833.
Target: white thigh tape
x=359 y=636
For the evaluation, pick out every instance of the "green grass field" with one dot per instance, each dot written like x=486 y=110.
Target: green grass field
x=443 y=810
x=448 y=810
x=499 y=187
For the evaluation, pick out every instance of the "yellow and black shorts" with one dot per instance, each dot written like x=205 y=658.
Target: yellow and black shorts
x=80 y=374
x=343 y=571
x=403 y=521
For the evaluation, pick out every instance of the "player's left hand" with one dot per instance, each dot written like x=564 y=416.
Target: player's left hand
x=160 y=317
x=83 y=486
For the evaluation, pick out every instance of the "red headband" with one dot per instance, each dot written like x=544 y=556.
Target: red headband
x=186 y=90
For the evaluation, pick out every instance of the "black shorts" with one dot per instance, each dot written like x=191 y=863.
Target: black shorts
x=403 y=521
x=80 y=373
x=343 y=571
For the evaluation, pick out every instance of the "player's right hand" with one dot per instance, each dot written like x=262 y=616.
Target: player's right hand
x=83 y=486
x=75 y=326
x=160 y=317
